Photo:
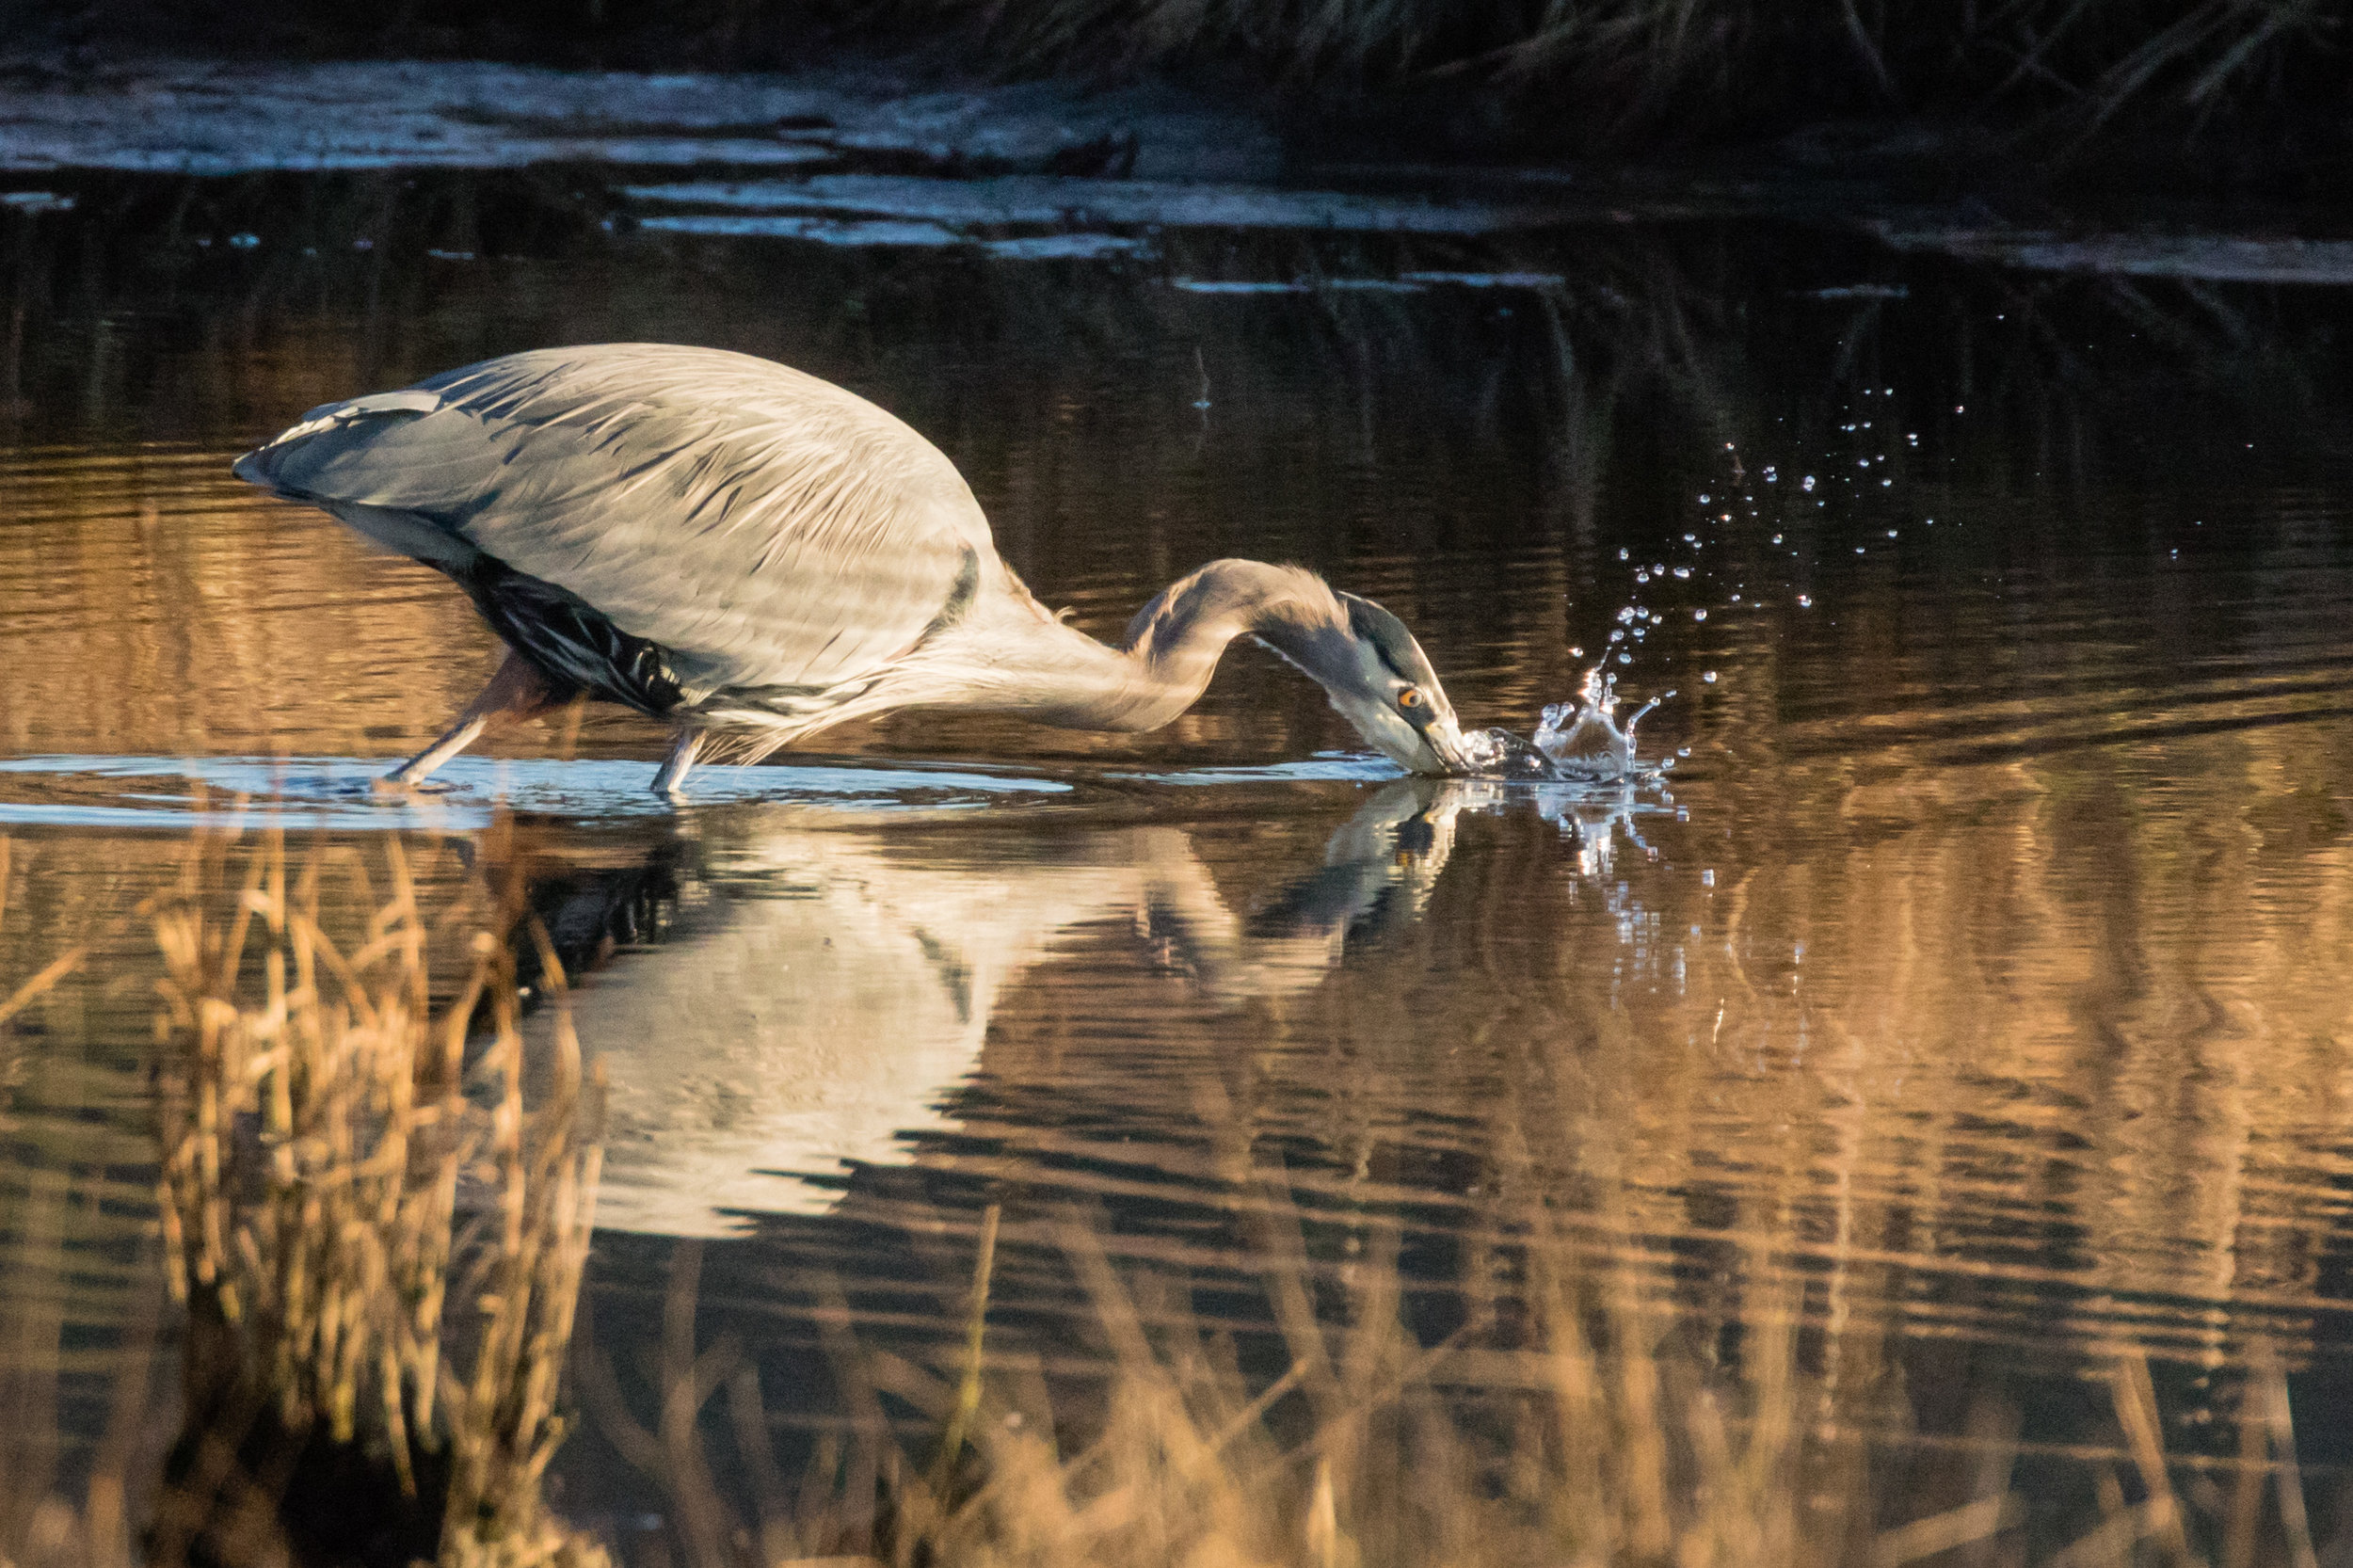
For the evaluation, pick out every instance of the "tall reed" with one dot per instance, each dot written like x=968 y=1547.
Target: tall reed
x=1585 y=1425
x=378 y=1244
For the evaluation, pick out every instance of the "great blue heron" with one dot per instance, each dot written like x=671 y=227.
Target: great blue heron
x=739 y=548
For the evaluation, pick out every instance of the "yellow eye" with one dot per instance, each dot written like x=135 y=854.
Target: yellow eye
x=1409 y=697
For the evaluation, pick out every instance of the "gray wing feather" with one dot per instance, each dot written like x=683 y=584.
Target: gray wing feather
x=765 y=527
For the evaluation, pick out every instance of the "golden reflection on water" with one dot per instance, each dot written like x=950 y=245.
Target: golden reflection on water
x=157 y=609
x=1989 y=1057
x=1980 y=978
x=2050 y=1048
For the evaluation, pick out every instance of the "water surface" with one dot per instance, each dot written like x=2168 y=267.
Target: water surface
x=1977 y=971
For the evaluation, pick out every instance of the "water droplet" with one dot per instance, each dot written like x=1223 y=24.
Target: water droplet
x=1806 y=601
x=1806 y=483
x=1683 y=572
x=1772 y=478
x=1621 y=554
x=1625 y=657
x=1777 y=538
x=1710 y=678
x=1699 y=615
x=1703 y=498
x=1891 y=532
x=1707 y=879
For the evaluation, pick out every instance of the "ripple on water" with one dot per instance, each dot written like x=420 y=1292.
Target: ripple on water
x=339 y=792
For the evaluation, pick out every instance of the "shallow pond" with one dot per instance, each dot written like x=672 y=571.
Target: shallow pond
x=1975 y=979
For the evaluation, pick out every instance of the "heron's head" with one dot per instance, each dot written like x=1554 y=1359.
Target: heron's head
x=1382 y=683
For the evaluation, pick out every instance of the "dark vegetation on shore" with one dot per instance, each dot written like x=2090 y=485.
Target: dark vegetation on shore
x=2237 y=92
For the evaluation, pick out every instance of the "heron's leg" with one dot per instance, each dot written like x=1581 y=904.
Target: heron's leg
x=671 y=781
x=516 y=691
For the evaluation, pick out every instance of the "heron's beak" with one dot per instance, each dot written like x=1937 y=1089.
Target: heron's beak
x=1444 y=737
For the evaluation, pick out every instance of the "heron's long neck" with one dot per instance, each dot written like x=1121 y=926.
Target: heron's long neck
x=1173 y=644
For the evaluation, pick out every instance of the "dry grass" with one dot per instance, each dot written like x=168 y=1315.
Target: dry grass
x=343 y=1195
x=1604 y=1435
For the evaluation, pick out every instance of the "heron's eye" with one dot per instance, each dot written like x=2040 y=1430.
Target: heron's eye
x=1409 y=697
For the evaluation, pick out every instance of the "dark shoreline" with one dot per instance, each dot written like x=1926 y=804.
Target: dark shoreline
x=2268 y=124
x=1115 y=161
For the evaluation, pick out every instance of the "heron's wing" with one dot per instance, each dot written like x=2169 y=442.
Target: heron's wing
x=765 y=527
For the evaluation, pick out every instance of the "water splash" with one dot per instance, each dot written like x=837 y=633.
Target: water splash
x=1579 y=740
x=1500 y=753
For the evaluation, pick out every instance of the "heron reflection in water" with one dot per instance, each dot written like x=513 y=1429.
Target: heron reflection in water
x=750 y=552
x=818 y=988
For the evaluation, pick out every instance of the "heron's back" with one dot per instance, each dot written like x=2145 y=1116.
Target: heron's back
x=760 y=527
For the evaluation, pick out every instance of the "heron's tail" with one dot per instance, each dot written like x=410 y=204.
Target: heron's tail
x=295 y=454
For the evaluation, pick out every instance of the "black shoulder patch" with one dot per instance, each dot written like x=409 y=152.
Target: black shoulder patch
x=569 y=640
